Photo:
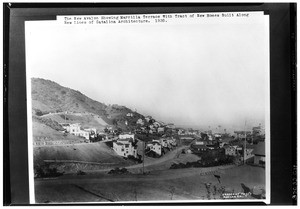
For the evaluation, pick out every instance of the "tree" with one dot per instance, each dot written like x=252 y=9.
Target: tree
x=115 y=122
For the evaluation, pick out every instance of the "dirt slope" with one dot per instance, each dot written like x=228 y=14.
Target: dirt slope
x=95 y=152
x=43 y=132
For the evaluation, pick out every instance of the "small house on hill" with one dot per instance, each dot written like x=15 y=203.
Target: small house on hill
x=129 y=114
x=140 y=121
x=76 y=130
x=161 y=130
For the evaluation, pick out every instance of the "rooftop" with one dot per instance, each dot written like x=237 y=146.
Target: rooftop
x=126 y=140
x=199 y=146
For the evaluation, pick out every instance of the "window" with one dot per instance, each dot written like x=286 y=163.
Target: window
x=122 y=149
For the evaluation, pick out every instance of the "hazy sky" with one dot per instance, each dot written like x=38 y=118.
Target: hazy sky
x=206 y=74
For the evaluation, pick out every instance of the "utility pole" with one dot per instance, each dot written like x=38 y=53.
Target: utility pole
x=245 y=144
x=143 y=156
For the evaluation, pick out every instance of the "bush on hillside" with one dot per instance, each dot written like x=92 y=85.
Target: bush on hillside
x=119 y=171
x=39 y=113
x=44 y=171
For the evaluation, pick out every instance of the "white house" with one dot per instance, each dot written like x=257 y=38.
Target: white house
x=230 y=150
x=171 y=141
x=200 y=143
x=140 y=121
x=164 y=142
x=249 y=151
x=161 y=130
x=155 y=147
x=71 y=128
x=129 y=114
x=124 y=148
x=82 y=133
x=148 y=118
x=75 y=130
x=216 y=135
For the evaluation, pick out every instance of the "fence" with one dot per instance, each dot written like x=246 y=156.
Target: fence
x=213 y=170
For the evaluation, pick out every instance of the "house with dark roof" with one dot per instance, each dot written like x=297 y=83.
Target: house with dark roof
x=260 y=154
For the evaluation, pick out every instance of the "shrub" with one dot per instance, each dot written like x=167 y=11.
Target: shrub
x=118 y=171
x=43 y=171
x=80 y=172
x=39 y=113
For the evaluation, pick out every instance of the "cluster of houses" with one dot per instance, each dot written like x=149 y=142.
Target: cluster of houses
x=255 y=152
x=77 y=130
x=235 y=146
x=152 y=126
x=127 y=145
x=158 y=145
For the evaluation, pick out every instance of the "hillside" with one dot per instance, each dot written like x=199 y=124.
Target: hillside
x=51 y=100
x=86 y=120
x=48 y=96
x=48 y=130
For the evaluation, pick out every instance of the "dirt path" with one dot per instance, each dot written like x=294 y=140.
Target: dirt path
x=167 y=157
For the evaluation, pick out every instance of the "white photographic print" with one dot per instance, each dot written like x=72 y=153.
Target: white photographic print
x=171 y=107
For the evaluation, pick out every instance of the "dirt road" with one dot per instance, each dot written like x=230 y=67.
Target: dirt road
x=179 y=184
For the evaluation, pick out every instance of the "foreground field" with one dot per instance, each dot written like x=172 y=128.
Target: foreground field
x=167 y=185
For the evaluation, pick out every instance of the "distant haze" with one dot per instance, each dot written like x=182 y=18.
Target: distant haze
x=191 y=75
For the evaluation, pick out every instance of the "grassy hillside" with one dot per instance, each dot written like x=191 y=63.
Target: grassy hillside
x=50 y=97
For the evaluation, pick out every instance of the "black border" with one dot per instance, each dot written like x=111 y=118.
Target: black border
x=282 y=81
x=6 y=168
